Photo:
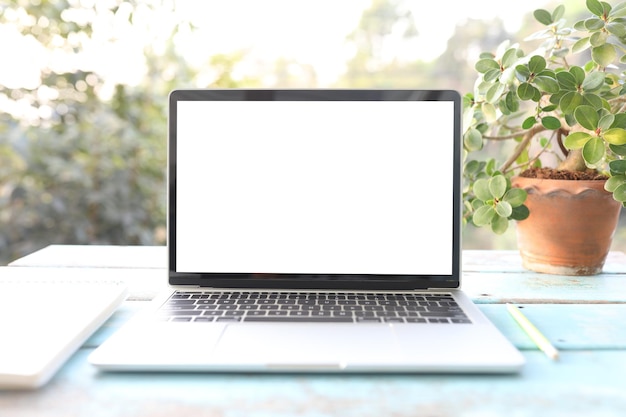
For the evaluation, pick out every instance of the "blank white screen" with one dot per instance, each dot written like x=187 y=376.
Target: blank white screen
x=314 y=187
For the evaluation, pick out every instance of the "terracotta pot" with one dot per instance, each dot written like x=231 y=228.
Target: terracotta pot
x=570 y=227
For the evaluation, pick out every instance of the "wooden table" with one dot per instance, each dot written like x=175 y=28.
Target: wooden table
x=585 y=317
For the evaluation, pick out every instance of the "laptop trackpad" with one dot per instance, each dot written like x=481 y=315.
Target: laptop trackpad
x=285 y=346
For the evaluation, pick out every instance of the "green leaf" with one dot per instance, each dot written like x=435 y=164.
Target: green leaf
x=617 y=29
x=486 y=64
x=526 y=91
x=520 y=213
x=618 y=11
x=587 y=116
x=543 y=16
x=581 y=45
x=536 y=64
x=593 y=81
x=577 y=140
x=473 y=140
x=618 y=167
x=551 y=122
x=536 y=95
x=476 y=204
x=598 y=38
x=549 y=108
x=483 y=215
x=481 y=190
x=570 y=101
x=497 y=186
x=512 y=103
x=606 y=122
x=509 y=57
x=504 y=209
x=558 y=13
x=529 y=122
x=593 y=151
x=515 y=197
x=618 y=149
x=566 y=80
x=594 y=24
x=489 y=111
x=522 y=73
x=580 y=26
x=620 y=193
x=603 y=55
x=615 y=136
x=578 y=73
x=499 y=225
x=547 y=84
x=472 y=167
x=492 y=75
x=613 y=182
x=593 y=100
x=494 y=93
x=595 y=7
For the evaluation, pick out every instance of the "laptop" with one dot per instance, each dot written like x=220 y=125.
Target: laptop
x=46 y=314
x=313 y=231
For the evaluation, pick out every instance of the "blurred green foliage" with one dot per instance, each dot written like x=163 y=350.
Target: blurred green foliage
x=86 y=169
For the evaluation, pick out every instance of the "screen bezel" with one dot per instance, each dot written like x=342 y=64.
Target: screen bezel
x=307 y=280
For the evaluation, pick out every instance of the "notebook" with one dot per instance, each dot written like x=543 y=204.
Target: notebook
x=45 y=315
x=312 y=231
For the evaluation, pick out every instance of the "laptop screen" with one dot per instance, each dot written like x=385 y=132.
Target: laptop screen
x=314 y=188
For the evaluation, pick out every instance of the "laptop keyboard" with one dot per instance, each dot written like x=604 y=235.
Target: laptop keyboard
x=337 y=307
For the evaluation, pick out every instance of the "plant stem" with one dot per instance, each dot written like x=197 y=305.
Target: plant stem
x=522 y=145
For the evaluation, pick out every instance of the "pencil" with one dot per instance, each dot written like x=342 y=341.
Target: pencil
x=539 y=339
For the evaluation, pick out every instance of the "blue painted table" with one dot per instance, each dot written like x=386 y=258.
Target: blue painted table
x=585 y=317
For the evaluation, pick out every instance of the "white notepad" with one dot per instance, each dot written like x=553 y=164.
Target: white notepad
x=46 y=314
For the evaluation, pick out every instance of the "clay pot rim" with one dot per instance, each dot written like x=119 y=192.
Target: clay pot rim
x=568 y=186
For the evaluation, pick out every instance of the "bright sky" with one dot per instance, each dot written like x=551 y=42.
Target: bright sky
x=310 y=32
x=314 y=31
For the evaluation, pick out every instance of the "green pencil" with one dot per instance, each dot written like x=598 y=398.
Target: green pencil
x=539 y=339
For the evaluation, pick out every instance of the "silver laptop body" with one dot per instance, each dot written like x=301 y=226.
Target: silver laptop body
x=312 y=231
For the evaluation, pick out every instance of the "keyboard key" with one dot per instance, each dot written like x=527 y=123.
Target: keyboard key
x=415 y=320
x=228 y=318
x=277 y=313
x=393 y=320
x=184 y=312
x=181 y=302
x=234 y=313
x=367 y=320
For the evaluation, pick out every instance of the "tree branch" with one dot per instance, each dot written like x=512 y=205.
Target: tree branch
x=528 y=135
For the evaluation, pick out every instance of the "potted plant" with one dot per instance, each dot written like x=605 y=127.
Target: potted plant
x=557 y=114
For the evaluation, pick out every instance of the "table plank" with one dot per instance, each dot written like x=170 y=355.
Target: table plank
x=512 y=287
x=510 y=261
x=567 y=326
x=581 y=383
